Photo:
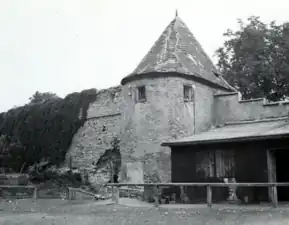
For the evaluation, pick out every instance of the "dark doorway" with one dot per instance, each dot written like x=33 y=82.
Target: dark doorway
x=282 y=173
x=115 y=178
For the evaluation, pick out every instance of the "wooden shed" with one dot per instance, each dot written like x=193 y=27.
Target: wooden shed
x=248 y=151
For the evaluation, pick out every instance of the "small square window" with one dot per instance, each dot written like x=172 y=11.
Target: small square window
x=188 y=93
x=141 y=94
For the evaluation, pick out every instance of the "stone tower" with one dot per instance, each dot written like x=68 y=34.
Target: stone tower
x=168 y=96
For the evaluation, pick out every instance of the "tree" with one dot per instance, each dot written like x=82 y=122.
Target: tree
x=45 y=130
x=12 y=154
x=39 y=97
x=255 y=59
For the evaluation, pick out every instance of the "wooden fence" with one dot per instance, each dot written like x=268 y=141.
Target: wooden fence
x=71 y=193
x=34 y=195
x=272 y=188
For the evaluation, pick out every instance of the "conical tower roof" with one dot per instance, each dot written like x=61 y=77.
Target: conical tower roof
x=178 y=51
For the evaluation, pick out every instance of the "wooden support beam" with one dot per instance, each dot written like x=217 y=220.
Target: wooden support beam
x=34 y=193
x=157 y=196
x=271 y=170
x=274 y=196
x=116 y=194
x=69 y=194
x=209 y=196
x=182 y=194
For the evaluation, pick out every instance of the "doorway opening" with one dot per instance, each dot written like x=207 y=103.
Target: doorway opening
x=282 y=173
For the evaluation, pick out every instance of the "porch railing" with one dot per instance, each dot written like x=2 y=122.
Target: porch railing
x=272 y=189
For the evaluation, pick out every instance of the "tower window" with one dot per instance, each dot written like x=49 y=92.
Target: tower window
x=141 y=94
x=188 y=93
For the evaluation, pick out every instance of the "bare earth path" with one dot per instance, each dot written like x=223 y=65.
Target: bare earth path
x=48 y=212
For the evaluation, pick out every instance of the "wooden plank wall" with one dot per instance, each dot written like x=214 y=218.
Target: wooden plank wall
x=215 y=163
x=244 y=162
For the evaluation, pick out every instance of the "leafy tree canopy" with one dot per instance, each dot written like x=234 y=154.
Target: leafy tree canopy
x=43 y=130
x=255 y=59
x=39 y=97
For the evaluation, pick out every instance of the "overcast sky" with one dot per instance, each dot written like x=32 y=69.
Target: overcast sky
x=64 y=46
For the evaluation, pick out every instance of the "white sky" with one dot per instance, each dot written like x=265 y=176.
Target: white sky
x=64 y=46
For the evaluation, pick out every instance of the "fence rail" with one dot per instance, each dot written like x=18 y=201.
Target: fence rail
x=69 y=192
x=34 y=195
x=201 y=184
x=118 y=187
x=72 y=192
x=272 y=189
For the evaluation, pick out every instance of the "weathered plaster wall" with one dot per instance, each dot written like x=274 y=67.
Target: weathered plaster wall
x=204 y=98
x=164 y=116
x=231 y=108
x=108 y=102
x=102 y=125
x=142 y=126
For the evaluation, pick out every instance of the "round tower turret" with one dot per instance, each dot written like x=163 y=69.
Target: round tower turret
x=168 y=96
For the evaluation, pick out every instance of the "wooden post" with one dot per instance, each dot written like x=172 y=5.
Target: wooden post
x=271 y=170
x=73 y=194
x=35 y=193
x=274 y=196
x=69 y=194
x=182 y=194
x=117 y=195
x=157 y=196
x=209 y=196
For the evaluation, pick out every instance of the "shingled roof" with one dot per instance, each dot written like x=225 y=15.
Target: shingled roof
x=177 y=50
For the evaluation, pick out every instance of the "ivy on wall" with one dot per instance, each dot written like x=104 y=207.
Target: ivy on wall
x=44 y=130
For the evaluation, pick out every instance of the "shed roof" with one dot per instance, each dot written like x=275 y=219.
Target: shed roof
x=238 y=131
x=177 y=50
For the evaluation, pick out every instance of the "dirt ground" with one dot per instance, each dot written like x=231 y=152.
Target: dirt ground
x=60 y=212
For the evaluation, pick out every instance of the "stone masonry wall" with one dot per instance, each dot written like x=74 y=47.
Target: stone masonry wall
x=142 y=126
x=101 y=126
x=164 y=116
x=229 y=107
